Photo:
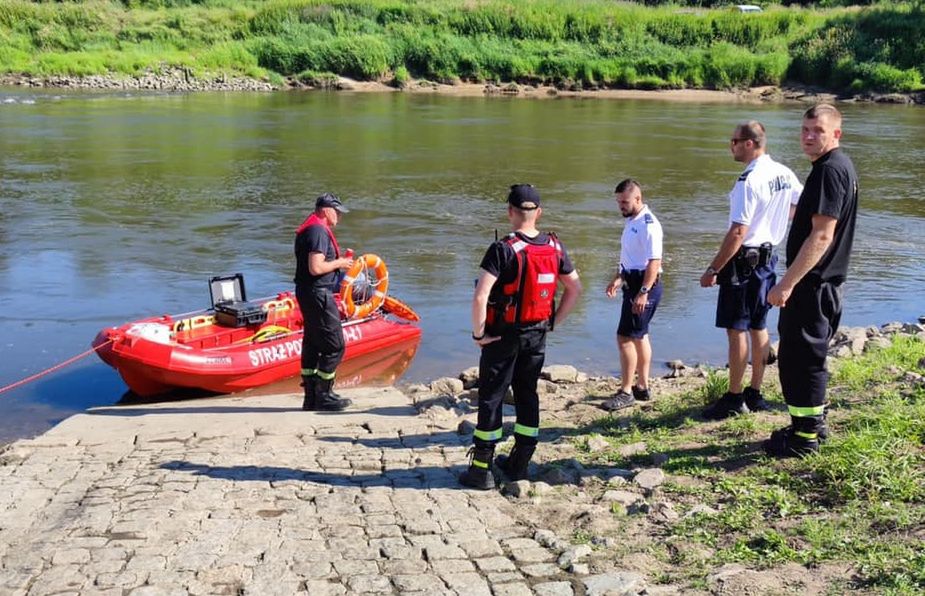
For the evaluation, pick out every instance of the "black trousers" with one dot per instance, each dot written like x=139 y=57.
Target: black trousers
x=806 y=326
x=323 y=340
x=513 y=361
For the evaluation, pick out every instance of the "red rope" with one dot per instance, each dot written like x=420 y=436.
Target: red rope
x=48 y=371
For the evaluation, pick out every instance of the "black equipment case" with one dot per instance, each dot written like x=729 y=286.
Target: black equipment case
x=229 y=301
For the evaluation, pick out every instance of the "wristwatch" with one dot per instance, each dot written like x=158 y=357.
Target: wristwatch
x=643 y=290
x=711 y=270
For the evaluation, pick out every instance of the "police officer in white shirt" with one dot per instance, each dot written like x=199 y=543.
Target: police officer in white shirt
x=760 y=205
x=640 y=267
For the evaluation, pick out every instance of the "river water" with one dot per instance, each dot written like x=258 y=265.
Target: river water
x=119 y=206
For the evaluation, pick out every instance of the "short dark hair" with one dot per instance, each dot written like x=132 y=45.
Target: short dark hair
x=626 y=184
x=754 y=132
x=823 y=109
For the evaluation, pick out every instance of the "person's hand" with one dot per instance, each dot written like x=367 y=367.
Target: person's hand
x=345 y=263
x=612 y=287
x=639 y=303
x=778 y=295
x=485 y=340
x=708 y=279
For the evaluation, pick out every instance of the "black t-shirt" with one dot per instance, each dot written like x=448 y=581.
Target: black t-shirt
x=313 y=239
x=500 y=259
x=832 y=190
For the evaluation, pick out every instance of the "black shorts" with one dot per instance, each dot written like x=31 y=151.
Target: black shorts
x=743 y=304
x=633 y=325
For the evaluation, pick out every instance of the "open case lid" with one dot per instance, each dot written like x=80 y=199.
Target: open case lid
x=227 y=288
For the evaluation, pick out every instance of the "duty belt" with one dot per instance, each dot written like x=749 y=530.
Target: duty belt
x=755 y=256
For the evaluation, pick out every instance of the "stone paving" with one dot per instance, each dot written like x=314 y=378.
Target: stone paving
x=250 y=495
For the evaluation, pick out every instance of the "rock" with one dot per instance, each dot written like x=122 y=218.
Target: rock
x=650 y=478
x=913 y=328
x=921 y=364
x=659 y=459
x=597 y=443
x=518 y=489
x=573 y=555
x=700 y=509
x=557 y=475
x=470 y=377
x=631 y=449
x=890 y=328
x=620 y=583
x=544 y=387
x=545 y=537
x=466 y=427
x=622 y=497
x=417 y=388
x=922 y=319
x=724 y=573
x=913 y=377
x=665 y=511
x=617 y=481
x=560 y=373
x=447 y=385
x=540 y=488
x=855 y=338
x=580 y=569
x=842 y=351
x=873 y=331
x=877 y=343
x=675 y=365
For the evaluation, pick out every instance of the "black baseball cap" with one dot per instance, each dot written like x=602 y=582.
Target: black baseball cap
x=524 y=197
x=330 y=200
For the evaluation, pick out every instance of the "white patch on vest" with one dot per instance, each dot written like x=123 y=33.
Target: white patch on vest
x=545 y=278
x=519 y=246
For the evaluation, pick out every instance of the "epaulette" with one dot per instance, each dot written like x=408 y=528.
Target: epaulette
x=744 y=175
x=648 y=218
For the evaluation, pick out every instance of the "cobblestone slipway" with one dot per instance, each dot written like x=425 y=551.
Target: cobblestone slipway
x=250 y=495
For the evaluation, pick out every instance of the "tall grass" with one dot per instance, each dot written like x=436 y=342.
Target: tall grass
x=582 y=42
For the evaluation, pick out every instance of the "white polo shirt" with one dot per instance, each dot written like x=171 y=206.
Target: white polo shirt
x=761 y=200
x=641 y=241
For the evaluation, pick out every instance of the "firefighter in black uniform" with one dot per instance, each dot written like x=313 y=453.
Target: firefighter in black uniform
x=810 y=294
x=318 y=264
x=512 y=309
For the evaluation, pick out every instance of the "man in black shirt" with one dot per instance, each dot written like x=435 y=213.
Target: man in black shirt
x=810 y=294
x=318 y=261
x=512 y=309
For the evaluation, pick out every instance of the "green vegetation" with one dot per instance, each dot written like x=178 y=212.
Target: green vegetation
x=860 y=500
x=577 y=43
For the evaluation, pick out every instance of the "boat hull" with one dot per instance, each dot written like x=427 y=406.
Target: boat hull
x=153 y=361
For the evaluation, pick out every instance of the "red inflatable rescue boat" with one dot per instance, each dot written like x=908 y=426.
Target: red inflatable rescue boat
x=240 y=344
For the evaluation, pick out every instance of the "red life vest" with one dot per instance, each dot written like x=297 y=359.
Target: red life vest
x=530 y=297
x=314 y=220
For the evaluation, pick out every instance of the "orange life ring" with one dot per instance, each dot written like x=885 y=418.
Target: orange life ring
x=393 y=305
x=365 y=264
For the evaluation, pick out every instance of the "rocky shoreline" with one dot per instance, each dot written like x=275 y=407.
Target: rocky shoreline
x=181 y=80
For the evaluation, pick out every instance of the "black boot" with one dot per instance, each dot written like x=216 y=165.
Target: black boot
x=308 y=384
x=730 y=404
x=755 y=401
x=797 y=440
x=785 y=442
x=478 y=475
x=515 y=465
x=824 y=427
x=327 y=400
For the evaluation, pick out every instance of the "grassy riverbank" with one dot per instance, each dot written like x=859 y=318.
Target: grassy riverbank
x=570 y=43
x=854 y=514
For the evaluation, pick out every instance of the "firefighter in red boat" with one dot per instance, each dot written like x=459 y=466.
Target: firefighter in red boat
x=512 y=310
x=318 y=264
